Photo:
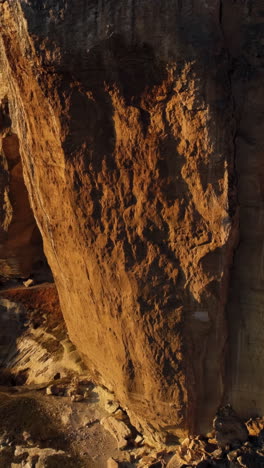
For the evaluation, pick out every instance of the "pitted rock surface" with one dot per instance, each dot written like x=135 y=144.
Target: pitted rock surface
x=132 y=117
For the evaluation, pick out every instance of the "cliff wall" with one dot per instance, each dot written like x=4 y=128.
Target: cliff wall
x=129 y=116
x=244 y=37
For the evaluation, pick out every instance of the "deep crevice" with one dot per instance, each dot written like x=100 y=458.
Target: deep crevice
x=21 y=249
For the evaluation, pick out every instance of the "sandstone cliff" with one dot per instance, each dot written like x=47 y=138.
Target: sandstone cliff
x=134 y=120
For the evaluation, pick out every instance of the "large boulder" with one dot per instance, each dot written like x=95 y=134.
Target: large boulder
x=125 y=116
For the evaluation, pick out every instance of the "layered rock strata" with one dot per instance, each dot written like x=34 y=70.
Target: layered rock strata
x=126 y=120
x=34 y=346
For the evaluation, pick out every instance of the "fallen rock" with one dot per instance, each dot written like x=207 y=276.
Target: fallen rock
x=119 y=430
x=147 y=462
x=254 y=426
x=29 y=283
x=41 y=458
x=28 y=439
x=138 y=439
x=176 y=461
x=232 y=456
x=191 y=452
x=229 y=428
x=217 y=454
x=78 y=390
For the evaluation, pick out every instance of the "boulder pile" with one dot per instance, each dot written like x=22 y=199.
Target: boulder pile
x=232 y=444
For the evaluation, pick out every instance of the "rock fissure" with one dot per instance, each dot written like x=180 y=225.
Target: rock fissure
x=243 y=305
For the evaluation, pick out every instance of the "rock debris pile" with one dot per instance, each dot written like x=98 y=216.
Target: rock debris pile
x=233 y=444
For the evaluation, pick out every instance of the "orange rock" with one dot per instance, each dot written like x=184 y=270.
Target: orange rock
x=126 y=127
x=254 y=426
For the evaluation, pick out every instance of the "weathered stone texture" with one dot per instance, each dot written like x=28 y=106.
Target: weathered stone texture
x=125 y=118
x=243 y=24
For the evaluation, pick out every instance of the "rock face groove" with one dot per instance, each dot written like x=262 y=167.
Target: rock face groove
x=128 y=128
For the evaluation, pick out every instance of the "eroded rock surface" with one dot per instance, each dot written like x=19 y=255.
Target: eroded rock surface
x=124 y=116
x=134 y=121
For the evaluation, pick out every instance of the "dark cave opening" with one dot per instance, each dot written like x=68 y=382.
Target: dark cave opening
x=21 y=246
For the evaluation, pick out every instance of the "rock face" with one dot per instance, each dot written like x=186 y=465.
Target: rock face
x=34 y=345
x=244 y=34
x=126 y=118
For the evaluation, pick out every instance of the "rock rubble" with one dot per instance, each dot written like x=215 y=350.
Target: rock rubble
x=233 y=444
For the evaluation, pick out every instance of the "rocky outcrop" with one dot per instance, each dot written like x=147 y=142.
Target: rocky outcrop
x=124 y=117
x=128 y=129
